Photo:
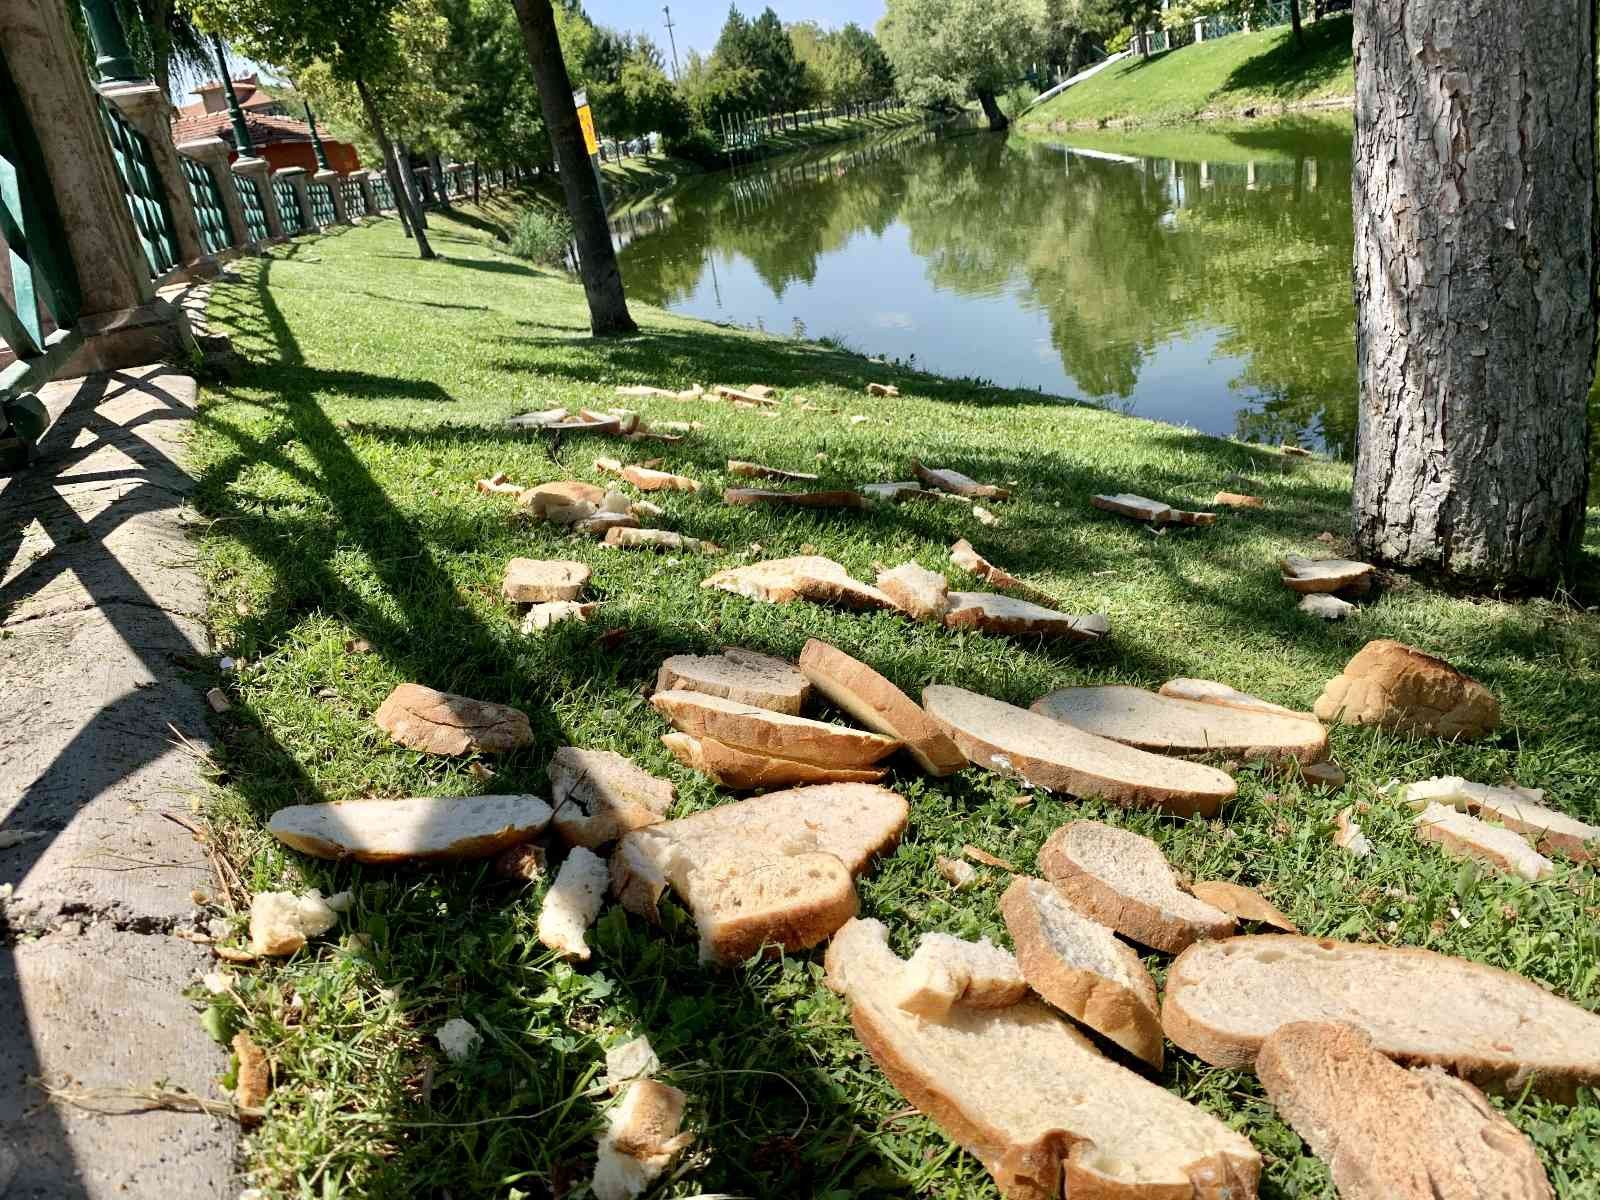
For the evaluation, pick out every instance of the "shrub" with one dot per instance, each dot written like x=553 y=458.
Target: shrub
x=542 y=236
x=700 y=146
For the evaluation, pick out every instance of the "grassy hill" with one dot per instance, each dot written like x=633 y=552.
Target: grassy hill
x=1219 y=78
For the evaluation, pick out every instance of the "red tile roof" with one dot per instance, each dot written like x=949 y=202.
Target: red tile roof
x=263 y=129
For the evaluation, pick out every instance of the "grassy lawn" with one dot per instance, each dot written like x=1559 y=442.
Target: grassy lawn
x=1218 y=78
x=337 y=483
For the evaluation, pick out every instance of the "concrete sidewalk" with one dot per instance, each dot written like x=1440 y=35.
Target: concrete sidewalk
x=100 y=610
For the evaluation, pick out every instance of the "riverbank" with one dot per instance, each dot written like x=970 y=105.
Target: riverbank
x=347 y=551
x=1243 y=74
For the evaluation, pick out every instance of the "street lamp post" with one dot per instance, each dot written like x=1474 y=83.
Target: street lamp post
x=113 y=59
x=316 y=142
x=241 y=133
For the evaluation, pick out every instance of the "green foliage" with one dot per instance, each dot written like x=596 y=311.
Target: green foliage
x=492 y=108
x=542 y=235
x=698 y=146
x=947 y=51
x=851 y=65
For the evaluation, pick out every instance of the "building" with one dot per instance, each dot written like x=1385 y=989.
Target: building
x=278 y=137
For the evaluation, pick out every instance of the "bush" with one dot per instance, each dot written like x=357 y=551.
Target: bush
x=542 y=236
x=1118 y=42
x=700 y=146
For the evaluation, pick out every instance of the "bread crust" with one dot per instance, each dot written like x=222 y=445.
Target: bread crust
x=1129 y=1018
x=481 y=845
x=796 y=926
x=740 y=770
x=759 y=731
x=1112 y=712
x=1395 y=686
x=878 y=704
x=1240 y=1048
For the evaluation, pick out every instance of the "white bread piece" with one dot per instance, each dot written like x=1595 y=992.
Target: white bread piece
x=600 y=795
x=855 y=822
x=535 y=580
x=750 y=470
x=879 y=705
x=1140 y=508
x=419 y=829
x=1044 y=1111
x=1080 y=967
x=742 y=771
x=1395 y=686
x=1166 y=725
x=1121 y=879
x=563 y=493
x=1348 y=834
x=1242 y=902
x=1387 y=1133
x=541 y=616
x=625 y=535
x=1518 y=809
x=944 y=479
x=641 y=1140
x=630 y=1061
x=808 y=577
x=776 y=735
x=741 y=675
x=921 y=594
x=900 y=492
x=1326 y=606
x=744 y=497
x=1208 y=691
x=281 y=922
x=994 y=613
x=573 y=902
x=1464 y=836
x=1015 y=742
x=946 y=971
x=968 y=559
x=753 y=899
x=1495 y=1029
x=1301 y=574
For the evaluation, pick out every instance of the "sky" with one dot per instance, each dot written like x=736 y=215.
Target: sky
x=697 y=22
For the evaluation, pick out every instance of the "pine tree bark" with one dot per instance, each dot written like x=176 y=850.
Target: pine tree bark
x=597 y=258
x=1474 y=190
x=402 y=197
x=991 y=109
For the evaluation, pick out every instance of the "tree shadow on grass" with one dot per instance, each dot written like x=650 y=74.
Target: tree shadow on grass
x=1288 y=72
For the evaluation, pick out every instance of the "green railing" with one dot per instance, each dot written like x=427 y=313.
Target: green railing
x=385 y=195
x=142 y=186
x=355 y=200
x=323 y=212
x=206 y=197
x=255 y=207
x=288 y=207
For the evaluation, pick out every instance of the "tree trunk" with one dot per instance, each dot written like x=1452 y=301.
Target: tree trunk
x=1294 y=24
x=991 y=109
x=402 y=197
x=1474 y=191
x=441 y=186
x=602 y=279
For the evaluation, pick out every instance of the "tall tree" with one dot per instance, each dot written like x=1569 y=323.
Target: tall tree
x=597 y=257
x=355 y=39
x=1474 y=192
x=944 y=51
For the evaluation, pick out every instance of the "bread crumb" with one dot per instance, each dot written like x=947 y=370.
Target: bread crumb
x=281 y=922
x=629 y=1062
x=573 y=902
x=959 y=875
x=458 y=1038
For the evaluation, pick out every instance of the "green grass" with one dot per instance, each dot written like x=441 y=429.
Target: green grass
x=1280 y=139
x=1224 y=77
x=336 y=476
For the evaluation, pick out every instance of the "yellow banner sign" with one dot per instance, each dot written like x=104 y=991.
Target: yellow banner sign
x=586 y=119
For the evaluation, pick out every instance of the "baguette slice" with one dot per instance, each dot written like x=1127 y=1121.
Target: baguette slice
x=1079 y=966
x=994 y=613
x=879 y=705
x=750 y=900
x=1464 y=836
x=737 y=674
x=1497 y=1030
x=809 y=577
x=741 y=771
x=855 y=822
x=421 y=829
x=1013 y=741
x=1518 y=809
x=600 y=795
x=946 y=971
x=1122 y=879
x=1208 y=691
x=1031 y=1098
x=921 y=594
x=1387 y=1133
x=1166 y=725
x=775 y=735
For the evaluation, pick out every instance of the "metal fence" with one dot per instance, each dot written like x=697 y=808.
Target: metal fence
x=206 y=198
x=355 y=200
x=380 y=189
x=323 y=211
x=288 y=206
x=747 y=130
x=146 y=198
x=254 y=204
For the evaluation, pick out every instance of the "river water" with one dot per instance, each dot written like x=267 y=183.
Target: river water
x=1197 y=276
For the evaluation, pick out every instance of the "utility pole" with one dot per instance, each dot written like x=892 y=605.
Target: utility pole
x=241 y=131
x=667 y=8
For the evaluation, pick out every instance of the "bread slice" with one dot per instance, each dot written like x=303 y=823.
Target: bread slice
x=1166 y=725
x=740 y=770
x=750 y=470
x=776 y=735
x=1387 y=1133
x=855 y=822
x=630 y=537
x=573 y=902
x=946 y=971
x=1122 y=879
x=421 y=829
x=1518 y=809
x=434 y=722
x=879 y=705
x=1078 y=965
x=921 y=594
x=743 y=497
x=1497 y=1030
x=1209 y=691
x=753 y=899
x=809 y=577
x=641 y=1140
x=1140 y=508
x=600 y=795
x=531 y=580
x=968 y=559
x=1015 y=742
x=944 y=479
x=1044 y=1111
x=994 y=613
x=736 y=674
x=1467 y=837
x=1242 y=902
x=1306 y=575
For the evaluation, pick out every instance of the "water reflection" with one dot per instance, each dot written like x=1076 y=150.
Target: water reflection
x=1203 y=280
